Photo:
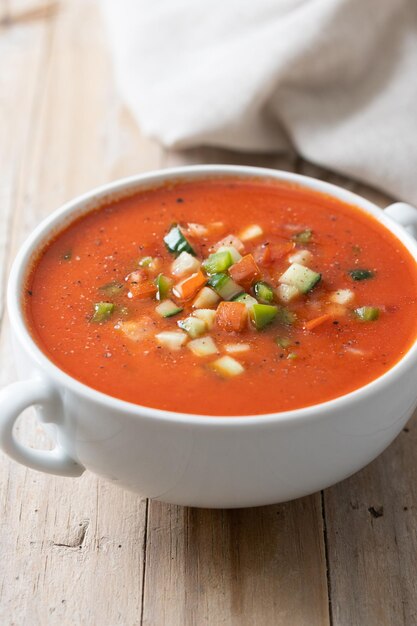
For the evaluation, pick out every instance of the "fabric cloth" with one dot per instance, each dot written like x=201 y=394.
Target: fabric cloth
x=337 y=79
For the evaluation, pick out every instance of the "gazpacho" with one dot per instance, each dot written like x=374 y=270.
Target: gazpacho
x=224 y=296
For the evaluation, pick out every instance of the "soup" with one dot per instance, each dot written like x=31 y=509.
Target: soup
x=224 y=296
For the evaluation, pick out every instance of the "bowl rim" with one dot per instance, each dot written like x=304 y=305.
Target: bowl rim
x=85 y=202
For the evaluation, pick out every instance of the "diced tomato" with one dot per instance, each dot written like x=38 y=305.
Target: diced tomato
x=146 y=289
x=230 y=240
x=188 y=287
x=232 y=316
x=245 y=271
x=267 y=253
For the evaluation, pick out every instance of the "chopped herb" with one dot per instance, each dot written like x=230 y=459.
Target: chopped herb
x=361 y=274
x=303 y=237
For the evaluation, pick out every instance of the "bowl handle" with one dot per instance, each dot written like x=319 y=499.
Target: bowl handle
x=404 y=214
x=13 y=400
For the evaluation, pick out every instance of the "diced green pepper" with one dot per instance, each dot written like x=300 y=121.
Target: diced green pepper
x=146 y=261
x=102 y=312
x=303 y=237
x=285 y=316
x=112 y=289
x=218 y=262
x=263 y=314
x=263 y=292
x=361 y=274
x=163 y=285
x=176 y=242
x=283 y=342
x=367 y=313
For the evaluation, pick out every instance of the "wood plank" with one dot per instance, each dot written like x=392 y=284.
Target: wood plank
x=72 y=549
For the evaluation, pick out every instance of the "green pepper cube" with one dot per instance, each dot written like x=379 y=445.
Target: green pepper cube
x=163 y=285
x=367 y=313
x=102 y=312
x=263 y=314
x=218 y=262
x=263 y=292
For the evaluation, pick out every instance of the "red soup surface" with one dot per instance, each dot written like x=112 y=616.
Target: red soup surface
x=224 y=297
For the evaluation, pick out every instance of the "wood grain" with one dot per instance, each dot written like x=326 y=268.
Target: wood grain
x=81 y=551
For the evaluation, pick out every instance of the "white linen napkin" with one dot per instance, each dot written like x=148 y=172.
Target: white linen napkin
x=337 y=79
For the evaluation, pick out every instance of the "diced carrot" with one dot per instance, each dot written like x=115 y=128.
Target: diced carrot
x=245 y=271
x=146 y=289
x=188 y=287
x=317 y=321
x=232 y=316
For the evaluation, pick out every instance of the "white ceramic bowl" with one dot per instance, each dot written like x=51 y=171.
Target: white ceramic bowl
x=192 y=459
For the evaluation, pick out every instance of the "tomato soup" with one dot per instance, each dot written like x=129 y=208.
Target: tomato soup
x=224 y=296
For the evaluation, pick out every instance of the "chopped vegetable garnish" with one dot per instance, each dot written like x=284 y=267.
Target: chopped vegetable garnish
x=146 y=261
x=292 y=356
x=303 y=278
x=303 y=237
x=303 y=257
x=236 y=256
x=245 y=271
x=137 y=330
x=230 y=240
x=232 y=316
x=317 y=321
x=283 y=342
x=285 y=316
x=361 y=274
x=218 y=262
x=185 y=264
x=173 y=340
x=247 y=300
x=226 y=366
x=263 y=292
x=251 y=232
x=145 y=289
x=206 y=298
x=235 y=348
x=193 y=326
x=342 y=296
x=102 y=312
x=367 y=313
x=203 y=346
x=168 y=308
x=112 y=289
x=163 y=286
x=176 y=242
x=187 y=288
x=263 y=314
x=207 y=315
x=224 y=286
x=287 y=293
x=197 y=230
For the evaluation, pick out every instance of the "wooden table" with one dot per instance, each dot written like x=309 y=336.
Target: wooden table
x=82 y=552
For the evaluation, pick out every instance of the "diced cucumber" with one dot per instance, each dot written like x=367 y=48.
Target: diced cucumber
x=361 y=274
x=102 y=312
x=227 y=367
x=193 y=326
x=263 y=292
x=163 y=286
x=287 y=293
x=303 y=257
x=112 y=289
x=303 y=278
x=207 y=315
x=251 y=232
x=204 y=346
x=367 y=313
x=185 y=264
x=303 y=236
x=224 y=286
x=218 y=262
x=206 y=298
x=236 y=256
x=263 y=314
x=176 y=242
x=173 y=340
x=168 y=308
x=342 y=296
x=235 y=348
x=247 y=300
